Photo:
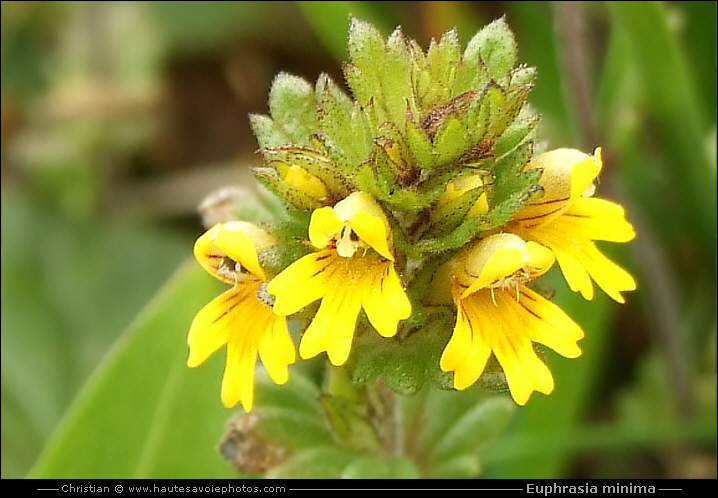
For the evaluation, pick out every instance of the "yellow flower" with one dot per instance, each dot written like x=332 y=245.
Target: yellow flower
x=302 y=180
x=497 y=313
x=239 y=317
x=353 y=269
x=567 y=219
x=458 y=187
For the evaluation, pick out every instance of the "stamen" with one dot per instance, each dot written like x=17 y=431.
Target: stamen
x=231 y=269
x=348 y=242
x=514 y=280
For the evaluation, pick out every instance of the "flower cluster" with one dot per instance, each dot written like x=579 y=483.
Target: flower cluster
x=419 y=197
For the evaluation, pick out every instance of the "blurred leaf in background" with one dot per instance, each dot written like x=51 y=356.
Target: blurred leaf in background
x=119 y=117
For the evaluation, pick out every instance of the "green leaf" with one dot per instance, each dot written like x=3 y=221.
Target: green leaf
x=61 y=279
x=350 y=423
x=367 y=181
x=315 y=463
x=396 y=81
x=380 y=72
x=392 y=145
x=509 y=180
x=347 y=128
x=292 y=428
x=515 y=134
x=495 y=46
x=461 y=467
x=508 y=111
x=293 y=107
x=298 y=394
x=450 y=214
x=403 y=365
x=521 y=76
x=482 y=422
x=289 y=414
x=144 y=414
x=489 y=111
x=268 y=134
x=461 y=235
x=293 y=110
x=388 y=467
x=452 y=141
x=441 y=61
x=366 y=50
x=420 y=146
x=452 y=425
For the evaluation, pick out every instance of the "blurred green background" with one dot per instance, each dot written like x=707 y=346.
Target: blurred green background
x=119 y=117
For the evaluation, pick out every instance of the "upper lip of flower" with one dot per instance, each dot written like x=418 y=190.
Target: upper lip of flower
x=500 y=261
x=567 y=175
x=224 y=246
x=357 y=215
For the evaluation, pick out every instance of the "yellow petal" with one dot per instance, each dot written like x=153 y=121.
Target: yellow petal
x=567 y=173
x=501 y=325
x=492 y=259
x=597 y=219
x=367 y=219
x=469 y=349
x=460 y=186
x=305 y=182
x=481 y=206
x=332 y=329
x=579 y=258
x=524 y=371
x=362 y=214
x=499 y=256
x=211 y=326
x=239 y=319
x=238 y=380
x=372 y=230
x=584 y=173
x=324 y=226
x=608 y=275
x=574 y=272
x=359 y=202
x=302 y=282
x=276 y=350
x=384 y=300
x=238 y=240
x=344 y=285
x=456 y=350
x=539 y=259
x=501 y=264
x=457 y=187
x=598 y=159
x=544 y=322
